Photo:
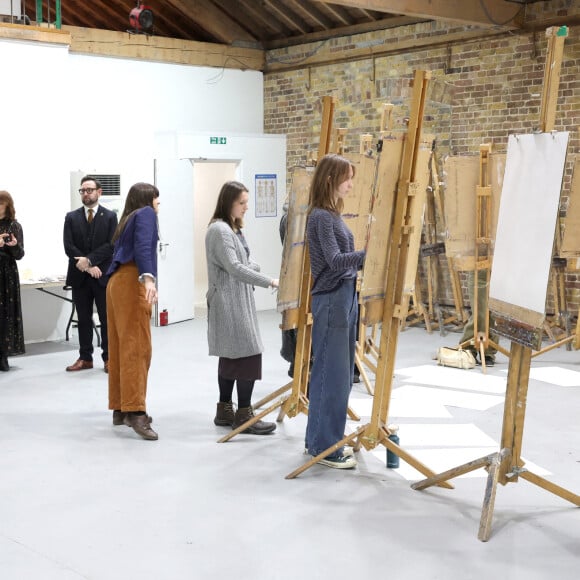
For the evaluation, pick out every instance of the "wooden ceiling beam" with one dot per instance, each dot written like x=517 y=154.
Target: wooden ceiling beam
x=263 y=19
x=312 y=13
x=339 y=13
x=487 y=13
x=383 y=24
x=161 y=49
x=214 y=20
x=292 y=20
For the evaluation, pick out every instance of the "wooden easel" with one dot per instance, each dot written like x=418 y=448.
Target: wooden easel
x=482 y=256
x=366 y=351
x=506 y=466
x=556 y=36
x=431 y=251
x=376 y=432
x=300 y=318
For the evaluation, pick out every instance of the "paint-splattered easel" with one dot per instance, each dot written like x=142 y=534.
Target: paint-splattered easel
x=506 y=466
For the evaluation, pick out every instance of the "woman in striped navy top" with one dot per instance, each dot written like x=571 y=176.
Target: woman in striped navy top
x=334 y=263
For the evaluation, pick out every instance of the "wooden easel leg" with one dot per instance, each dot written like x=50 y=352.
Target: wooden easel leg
x=352 y=415
x=550 y=347
x=273 y=395
x=412 y=461
x=249 y=423
x=363 y=374
x=489 y=496
x=292 y=406
x=454 y=472
x=551 y=487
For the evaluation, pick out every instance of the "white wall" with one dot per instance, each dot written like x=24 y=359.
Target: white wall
x=62 y=112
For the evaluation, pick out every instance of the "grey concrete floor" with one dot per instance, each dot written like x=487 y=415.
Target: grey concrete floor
x=81 y=499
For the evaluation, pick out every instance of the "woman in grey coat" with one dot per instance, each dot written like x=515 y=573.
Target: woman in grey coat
x=233 y=333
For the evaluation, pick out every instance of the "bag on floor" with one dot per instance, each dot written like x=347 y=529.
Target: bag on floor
x=455 y=357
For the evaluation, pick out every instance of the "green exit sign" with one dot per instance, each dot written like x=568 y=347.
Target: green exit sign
x=218 y=140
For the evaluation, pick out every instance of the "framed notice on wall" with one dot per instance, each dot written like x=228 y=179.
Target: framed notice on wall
x=266 y=195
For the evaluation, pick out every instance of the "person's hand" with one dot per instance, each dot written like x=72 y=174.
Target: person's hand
x=8 y=240
x=150 y=290
x=275 y=283
x=94 y=271
x=83 y=264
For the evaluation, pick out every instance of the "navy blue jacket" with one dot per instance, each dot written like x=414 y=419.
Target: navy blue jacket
x=138 y=242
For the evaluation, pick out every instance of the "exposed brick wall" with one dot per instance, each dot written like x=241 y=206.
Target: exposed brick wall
x=481 y=91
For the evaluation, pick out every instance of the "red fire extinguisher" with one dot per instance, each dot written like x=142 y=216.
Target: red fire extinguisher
x=163 y=318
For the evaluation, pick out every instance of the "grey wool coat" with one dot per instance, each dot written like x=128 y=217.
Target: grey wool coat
x=232 y=322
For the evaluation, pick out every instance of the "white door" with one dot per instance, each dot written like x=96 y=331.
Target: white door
x=208 y=178
x=175 y=268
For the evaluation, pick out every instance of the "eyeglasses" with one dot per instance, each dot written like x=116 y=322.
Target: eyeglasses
x=87 y=190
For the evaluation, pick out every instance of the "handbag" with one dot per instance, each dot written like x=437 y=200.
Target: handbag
x=455 y=357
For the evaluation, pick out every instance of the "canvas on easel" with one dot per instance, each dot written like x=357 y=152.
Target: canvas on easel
x=293 y=251
x=525 y=234
x=461 y=174
x=357 y=204
x=570 y=247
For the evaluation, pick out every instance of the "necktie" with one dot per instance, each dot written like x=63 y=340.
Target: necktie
x=90 y=216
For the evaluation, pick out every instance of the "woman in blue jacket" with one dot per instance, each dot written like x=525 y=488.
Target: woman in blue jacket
x=131 y=293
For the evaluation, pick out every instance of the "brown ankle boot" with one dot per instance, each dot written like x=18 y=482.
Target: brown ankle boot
x=225 y=414
x=141 y=424
x=259 y=428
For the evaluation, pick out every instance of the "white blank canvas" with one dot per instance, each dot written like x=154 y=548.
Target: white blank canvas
x=527 y=219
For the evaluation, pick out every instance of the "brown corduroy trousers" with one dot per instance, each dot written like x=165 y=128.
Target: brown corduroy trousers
x=129 y=331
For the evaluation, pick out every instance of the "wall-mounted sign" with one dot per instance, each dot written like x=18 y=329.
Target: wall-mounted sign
x=218 y=140
x=266 y=195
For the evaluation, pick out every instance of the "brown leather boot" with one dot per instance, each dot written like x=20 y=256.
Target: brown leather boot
x=225 y=414
x=259 y=428
x=141 y=425
x=119 y=418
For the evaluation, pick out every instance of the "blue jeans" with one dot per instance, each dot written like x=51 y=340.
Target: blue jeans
x=334 y=333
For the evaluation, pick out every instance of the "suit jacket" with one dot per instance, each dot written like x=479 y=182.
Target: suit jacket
x=91 y=240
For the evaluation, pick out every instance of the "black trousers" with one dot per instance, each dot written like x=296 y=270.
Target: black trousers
x=84 y=297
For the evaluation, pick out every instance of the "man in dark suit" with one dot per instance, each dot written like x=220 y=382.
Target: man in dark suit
x=87 y=242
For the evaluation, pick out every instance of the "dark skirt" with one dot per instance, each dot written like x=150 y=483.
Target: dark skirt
x=247 y=368
x=11 y=327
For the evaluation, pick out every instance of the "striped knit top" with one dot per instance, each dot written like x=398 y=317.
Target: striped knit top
x=332 y=254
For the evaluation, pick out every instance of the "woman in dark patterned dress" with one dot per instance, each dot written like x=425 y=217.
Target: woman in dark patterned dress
x=11 y=249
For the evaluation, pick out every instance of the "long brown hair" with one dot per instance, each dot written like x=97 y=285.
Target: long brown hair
x=140 y=195
x=229 y=193
x=10 y=211
x=330 y=172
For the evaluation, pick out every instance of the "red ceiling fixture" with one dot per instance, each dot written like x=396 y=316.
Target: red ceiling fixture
x=141 y=18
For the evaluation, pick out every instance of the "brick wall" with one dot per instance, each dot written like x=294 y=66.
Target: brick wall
x=482 y=89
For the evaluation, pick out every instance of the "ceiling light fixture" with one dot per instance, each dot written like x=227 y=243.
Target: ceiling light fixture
x=141 y=18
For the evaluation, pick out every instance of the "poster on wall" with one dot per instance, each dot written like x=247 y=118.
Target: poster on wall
x=266 y=195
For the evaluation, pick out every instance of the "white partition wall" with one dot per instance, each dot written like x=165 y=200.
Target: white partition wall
x=259 y=159
x=70 y=112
